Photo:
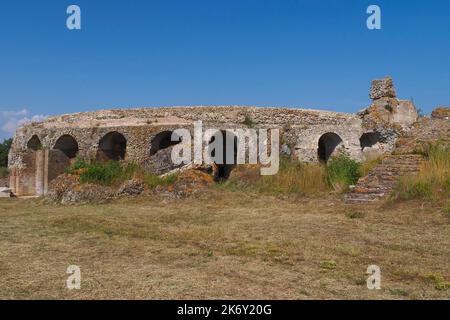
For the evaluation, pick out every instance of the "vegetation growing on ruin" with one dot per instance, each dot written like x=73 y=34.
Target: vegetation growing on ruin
x=368 y=165
x=298 y=177
x=342 y=172
x=433 y=180
x=248 y=121
x=114 y=172
x=152 y=181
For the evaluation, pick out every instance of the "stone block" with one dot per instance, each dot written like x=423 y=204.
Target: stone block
x=382 y=88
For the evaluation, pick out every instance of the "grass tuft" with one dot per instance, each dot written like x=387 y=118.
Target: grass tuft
x=296 y=177
x=433 y=180
x=328 y=265
x=354 y=215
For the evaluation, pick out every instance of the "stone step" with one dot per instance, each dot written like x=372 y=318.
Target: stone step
x=381 y=180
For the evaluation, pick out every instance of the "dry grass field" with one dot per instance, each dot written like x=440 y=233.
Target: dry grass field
x=224 y=245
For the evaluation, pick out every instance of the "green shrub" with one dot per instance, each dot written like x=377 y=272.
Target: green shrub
x=342 y=171
x=79 y=163
x=108 y=173
x=114 y=172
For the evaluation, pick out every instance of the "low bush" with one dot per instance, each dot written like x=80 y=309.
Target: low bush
x=114 y=172
x=108 y=173
x=342 y=172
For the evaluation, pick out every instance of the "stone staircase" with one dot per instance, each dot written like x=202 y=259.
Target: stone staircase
x=382 y=178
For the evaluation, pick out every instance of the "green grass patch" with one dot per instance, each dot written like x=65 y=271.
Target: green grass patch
x=114 y=172
x=328 y=265
x=152 y=180
x=354 y=215
x=108 y=173
x=438 y=281
x=398 y=292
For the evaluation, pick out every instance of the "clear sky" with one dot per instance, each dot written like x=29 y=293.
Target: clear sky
x=297 y=53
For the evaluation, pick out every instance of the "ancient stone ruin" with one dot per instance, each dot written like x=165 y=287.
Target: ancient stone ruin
x=41 y=151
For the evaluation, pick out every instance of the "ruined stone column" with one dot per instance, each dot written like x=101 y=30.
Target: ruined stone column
x=40 y=168
x=13 y=180
x=46 y=162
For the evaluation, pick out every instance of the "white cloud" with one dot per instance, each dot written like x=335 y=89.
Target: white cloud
x=11 y=120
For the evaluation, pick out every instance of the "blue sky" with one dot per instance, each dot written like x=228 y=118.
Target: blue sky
x=298 y=53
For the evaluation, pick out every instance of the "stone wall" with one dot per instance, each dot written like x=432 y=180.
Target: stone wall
x=303 y=133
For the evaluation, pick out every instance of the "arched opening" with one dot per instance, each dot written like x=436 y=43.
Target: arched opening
x=328 y=143
x=34 y=143
x=68 y=145
x=163 y=140
x=112 y=146
x=369 y=139
x=224 y=169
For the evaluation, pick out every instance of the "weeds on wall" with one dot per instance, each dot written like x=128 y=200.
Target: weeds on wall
x=248 y=121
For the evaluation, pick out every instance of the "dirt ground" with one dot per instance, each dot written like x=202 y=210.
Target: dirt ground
x=224 y=245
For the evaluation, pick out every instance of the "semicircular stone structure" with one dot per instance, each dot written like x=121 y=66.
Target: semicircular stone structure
x=43 y=150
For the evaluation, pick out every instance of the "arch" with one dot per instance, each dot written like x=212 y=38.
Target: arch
x=224 y=169
x=112 y=146
x=34 y=143
x=369 y=139
x=328 y=143
x=68 y=145
x=162 y=140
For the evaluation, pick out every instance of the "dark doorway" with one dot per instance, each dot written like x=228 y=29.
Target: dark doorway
x=224 y=169
x=369 y=139
x=163 y=140
x=68 y=145
x=327 y=145
x=34 y=143
x=112 y=146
